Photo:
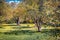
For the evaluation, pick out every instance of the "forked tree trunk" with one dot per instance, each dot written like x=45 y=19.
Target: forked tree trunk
x=38 y=28
x=17 y=21
x=38 y=25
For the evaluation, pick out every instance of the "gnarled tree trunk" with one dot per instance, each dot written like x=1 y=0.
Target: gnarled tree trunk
x=38 y=24
x=17 y=21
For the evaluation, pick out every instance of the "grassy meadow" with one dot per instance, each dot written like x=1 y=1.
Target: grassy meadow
x=28 y=32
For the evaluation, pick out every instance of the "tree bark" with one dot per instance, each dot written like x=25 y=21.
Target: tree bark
x=38 y=25
x=17 y=21
x=38 y=28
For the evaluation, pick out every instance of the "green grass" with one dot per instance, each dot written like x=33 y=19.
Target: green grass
x=27 y=33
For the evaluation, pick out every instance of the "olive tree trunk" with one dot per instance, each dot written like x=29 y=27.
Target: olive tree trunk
x=38 y=24
x=18 y=21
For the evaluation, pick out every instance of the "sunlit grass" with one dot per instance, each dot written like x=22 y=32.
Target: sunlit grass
x=27 y=32
x=8 y=27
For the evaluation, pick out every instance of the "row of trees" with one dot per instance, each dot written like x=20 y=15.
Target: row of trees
x=38 y=11
x=5 y=11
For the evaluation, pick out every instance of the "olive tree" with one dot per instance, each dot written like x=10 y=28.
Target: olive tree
x=41 y=11
x=5 y=11
x=19 y=13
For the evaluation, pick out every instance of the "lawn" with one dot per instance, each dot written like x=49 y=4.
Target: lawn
x=28 y=32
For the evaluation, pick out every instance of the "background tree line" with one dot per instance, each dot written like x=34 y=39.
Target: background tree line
x=38 y=12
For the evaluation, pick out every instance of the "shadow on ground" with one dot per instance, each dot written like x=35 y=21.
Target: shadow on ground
x=54 y=32
x=20 y=32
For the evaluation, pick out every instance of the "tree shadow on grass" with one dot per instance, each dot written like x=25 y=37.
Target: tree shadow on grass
x=21 y=27
x=53 y=32
x=20 y=32
x=25 y=27
x=8 y=25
